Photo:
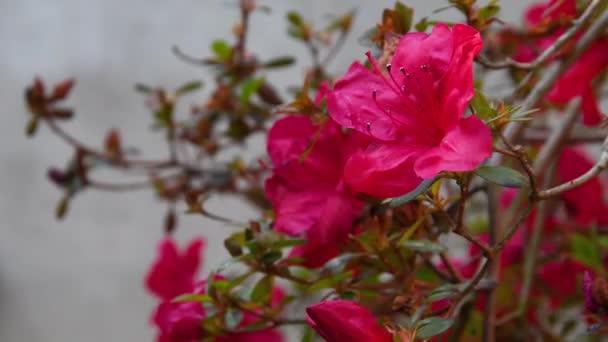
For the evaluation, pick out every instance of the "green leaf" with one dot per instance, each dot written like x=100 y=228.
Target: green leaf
x=272 y=256
x=330 y=282
x=279 y=62
x=289 y=243
x=32 y=127
x=348 y=295
x=262 y=290
x=586 y=250
x=399 y=201
x=483 y=108
x=249 y=88
x=336 y=265
x=233 y=246
x=407 y=16
x=502 y=175
x=422 y=25
x=295 y=18
x=424 y=246
x=232 y=318
x=202 y=298
x=188 y=88
x=488 y=11
x=442 y=292
x=432 y=326
x=308 y=335
x=221 y=49
x=164 y=115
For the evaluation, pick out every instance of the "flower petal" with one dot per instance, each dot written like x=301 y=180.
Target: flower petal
x=462 y=149
x=352 y=104
x=295 y=211
x=455 y=89
x=342 y=320
x=383 y=170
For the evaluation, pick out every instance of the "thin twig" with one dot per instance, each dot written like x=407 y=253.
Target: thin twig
x=557 y=138
x=577 y=25
x=578 y=135
x=533 y=244
x=595 y=170
x=151 y=164
x=335 y=49
x=514 y=129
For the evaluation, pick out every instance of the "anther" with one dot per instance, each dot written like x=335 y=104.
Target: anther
x=424 y=67
x=388 y=67
x=402 y=69
x=402 y=88
x=408 y=75
x=374 y=94
x=368 y=126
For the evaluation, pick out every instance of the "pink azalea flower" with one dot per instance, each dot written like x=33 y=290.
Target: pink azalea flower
x=341 y=320
x=315 y=253
x=179 y=322
x=414 y=111
x=585 y=204
x=173 y=273
x=576 y=82
x=306 y=190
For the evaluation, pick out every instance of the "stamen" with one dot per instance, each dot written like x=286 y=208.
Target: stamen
x=424 y=67
x=402 y=88
x=408 y=75
x=374 y=94
x=368 y=126
x=388 y=67
x=402 y=69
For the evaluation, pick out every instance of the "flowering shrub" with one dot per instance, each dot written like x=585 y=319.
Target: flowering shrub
x=402 y=200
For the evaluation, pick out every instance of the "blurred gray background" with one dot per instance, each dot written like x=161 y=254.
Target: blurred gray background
x=81 y=279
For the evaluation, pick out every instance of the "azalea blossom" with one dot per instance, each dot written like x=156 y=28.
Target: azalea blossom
x=342 y=320
x=173 y=274
x=307 y=190
x=577 y=80
x=413 y=108
x=584 y=204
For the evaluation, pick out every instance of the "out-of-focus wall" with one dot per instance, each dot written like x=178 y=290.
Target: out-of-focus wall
x=81 y=279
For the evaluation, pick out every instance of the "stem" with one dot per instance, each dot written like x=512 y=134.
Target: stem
x=335 y=49
x=532 y=248
x=595 y=170
x=148 y=164
x=514 y=129
x=577 y=25
x=557 y=138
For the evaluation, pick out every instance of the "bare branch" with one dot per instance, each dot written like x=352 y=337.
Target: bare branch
x=577 y=25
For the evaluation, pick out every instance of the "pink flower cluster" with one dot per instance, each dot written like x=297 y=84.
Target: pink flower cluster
x=577 y=81
x=174 y=274
x=391 y=129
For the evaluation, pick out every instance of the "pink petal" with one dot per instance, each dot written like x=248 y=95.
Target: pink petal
x=352 y=105
x=336 y=220
x=341 y=320
x=383 y=170
x=463 y=149
x=586 y=202
x=295 y=211
x=455 y=88
x=315 y=253
x=306 y=154
x=590 y=108
x=172 y=274
x=417 y=48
